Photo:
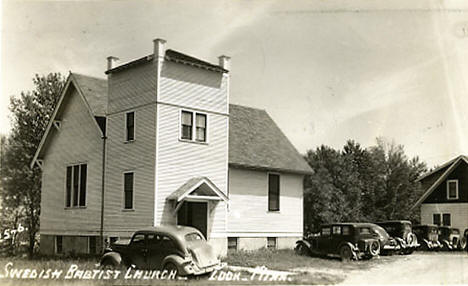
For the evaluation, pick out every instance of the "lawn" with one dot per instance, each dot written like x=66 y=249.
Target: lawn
x=310 y=270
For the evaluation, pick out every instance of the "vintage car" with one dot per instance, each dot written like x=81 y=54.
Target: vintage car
x=401 y=230
x=174 y=248
x=388 y=244
x=449 y=238
x=350 y=241
x=428 y=236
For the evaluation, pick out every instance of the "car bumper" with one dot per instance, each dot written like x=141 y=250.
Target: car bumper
x=192 y=269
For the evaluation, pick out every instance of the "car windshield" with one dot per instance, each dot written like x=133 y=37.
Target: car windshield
x=193 y=237
x=455 y=231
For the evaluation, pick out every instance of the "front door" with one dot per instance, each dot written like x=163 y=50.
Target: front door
x=194 y=214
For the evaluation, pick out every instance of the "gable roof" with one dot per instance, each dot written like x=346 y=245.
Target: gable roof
x=173 y=56
x=452 y=164
x=255 y=141
x=93 y=92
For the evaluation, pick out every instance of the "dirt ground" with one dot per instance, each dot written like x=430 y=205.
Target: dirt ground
x=418 y=268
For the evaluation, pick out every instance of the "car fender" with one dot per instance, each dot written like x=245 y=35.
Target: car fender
x=447 y=243
x=401 y=242
x=305 y=243
x=176 y=260
x=112 y=256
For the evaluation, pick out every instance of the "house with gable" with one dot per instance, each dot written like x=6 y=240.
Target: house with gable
x=157 y=142
x=445 y=197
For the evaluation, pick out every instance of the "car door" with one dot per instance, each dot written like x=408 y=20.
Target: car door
x=159 y=247
x=323 y=241
x=336 y=239
x=137 y=251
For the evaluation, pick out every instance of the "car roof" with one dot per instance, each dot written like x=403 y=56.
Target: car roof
x=174 y=230
x=425 y=225
x=355 y=224
x=394 y=221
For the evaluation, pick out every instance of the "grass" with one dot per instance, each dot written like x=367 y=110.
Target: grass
x=312 y=270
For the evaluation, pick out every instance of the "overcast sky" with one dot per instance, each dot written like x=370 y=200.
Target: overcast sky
x=326 y=71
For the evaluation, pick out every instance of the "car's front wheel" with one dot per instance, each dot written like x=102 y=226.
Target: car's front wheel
x=346 y=253
x=462 y=243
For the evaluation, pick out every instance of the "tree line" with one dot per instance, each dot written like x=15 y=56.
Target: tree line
x=361 y=184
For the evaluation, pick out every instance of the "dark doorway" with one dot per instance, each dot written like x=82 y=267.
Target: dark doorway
x=194 y=214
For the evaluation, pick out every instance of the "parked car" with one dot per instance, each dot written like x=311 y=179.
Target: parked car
x=388 y=245
x=449 y=238
x=464 y=240
x=428 y=236
x=174 y=248
x=402 y=231
x=350 y=241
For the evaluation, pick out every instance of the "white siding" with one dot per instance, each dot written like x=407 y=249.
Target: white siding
x=186 y=87
x=132 y=87
x=458 y=213
x=179 y=161
x=137 y=156
x=194 y=87
x=78 y=141
x=248 y=205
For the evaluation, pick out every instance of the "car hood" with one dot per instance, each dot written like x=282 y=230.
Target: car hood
x=202 y=253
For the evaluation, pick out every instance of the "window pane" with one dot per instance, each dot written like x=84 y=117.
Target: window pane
x=58 y=244
x=452 y=189
x=69 y=187
x=128 y=190
x=186 y=132
x=271 y=242
x=201 y=134
x=273 y=192
x=83 y=176
x=326 y=231
x=76 y=175
x=130 y=126
x=201 y=120
x=232 y=243
x=446 y=219
x=346 y=230
x=336 y=230
x=92 y=245
x=187 y=118
x=436 y=219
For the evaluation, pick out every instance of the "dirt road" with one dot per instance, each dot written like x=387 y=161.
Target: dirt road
x=418 y=268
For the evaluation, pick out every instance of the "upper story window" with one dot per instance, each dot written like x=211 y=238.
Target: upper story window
x=128 y=190
x=446 y=219
x=452 y=189
x=187 y=123
x=76 y=185
x=273 y=192
x=130 y=126
x=189 y=119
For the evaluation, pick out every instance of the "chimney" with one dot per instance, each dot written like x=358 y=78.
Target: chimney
x=224 y=62
x=111 y=62
x=159 y=48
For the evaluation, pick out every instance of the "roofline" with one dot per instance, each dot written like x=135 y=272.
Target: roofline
x=440 y=180
x=427 y=174
x=149 y=58
x=266 y=168
x=70 y=80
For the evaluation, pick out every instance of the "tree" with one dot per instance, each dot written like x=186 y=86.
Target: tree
x=357 y=184
x=30 y=114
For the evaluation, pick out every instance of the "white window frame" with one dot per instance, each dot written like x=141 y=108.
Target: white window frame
x=123 y=191
x=194 y=126
x=268 y=192
x=134 y=126
x=456 y=189
x=72 y=165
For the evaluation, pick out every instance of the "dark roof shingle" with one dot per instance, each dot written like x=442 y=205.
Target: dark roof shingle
x=95 y=91
x=255 y=141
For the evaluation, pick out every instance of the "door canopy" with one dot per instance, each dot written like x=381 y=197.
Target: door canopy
x=198 y=189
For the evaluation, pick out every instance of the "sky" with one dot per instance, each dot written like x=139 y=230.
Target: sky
x=325 y=71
